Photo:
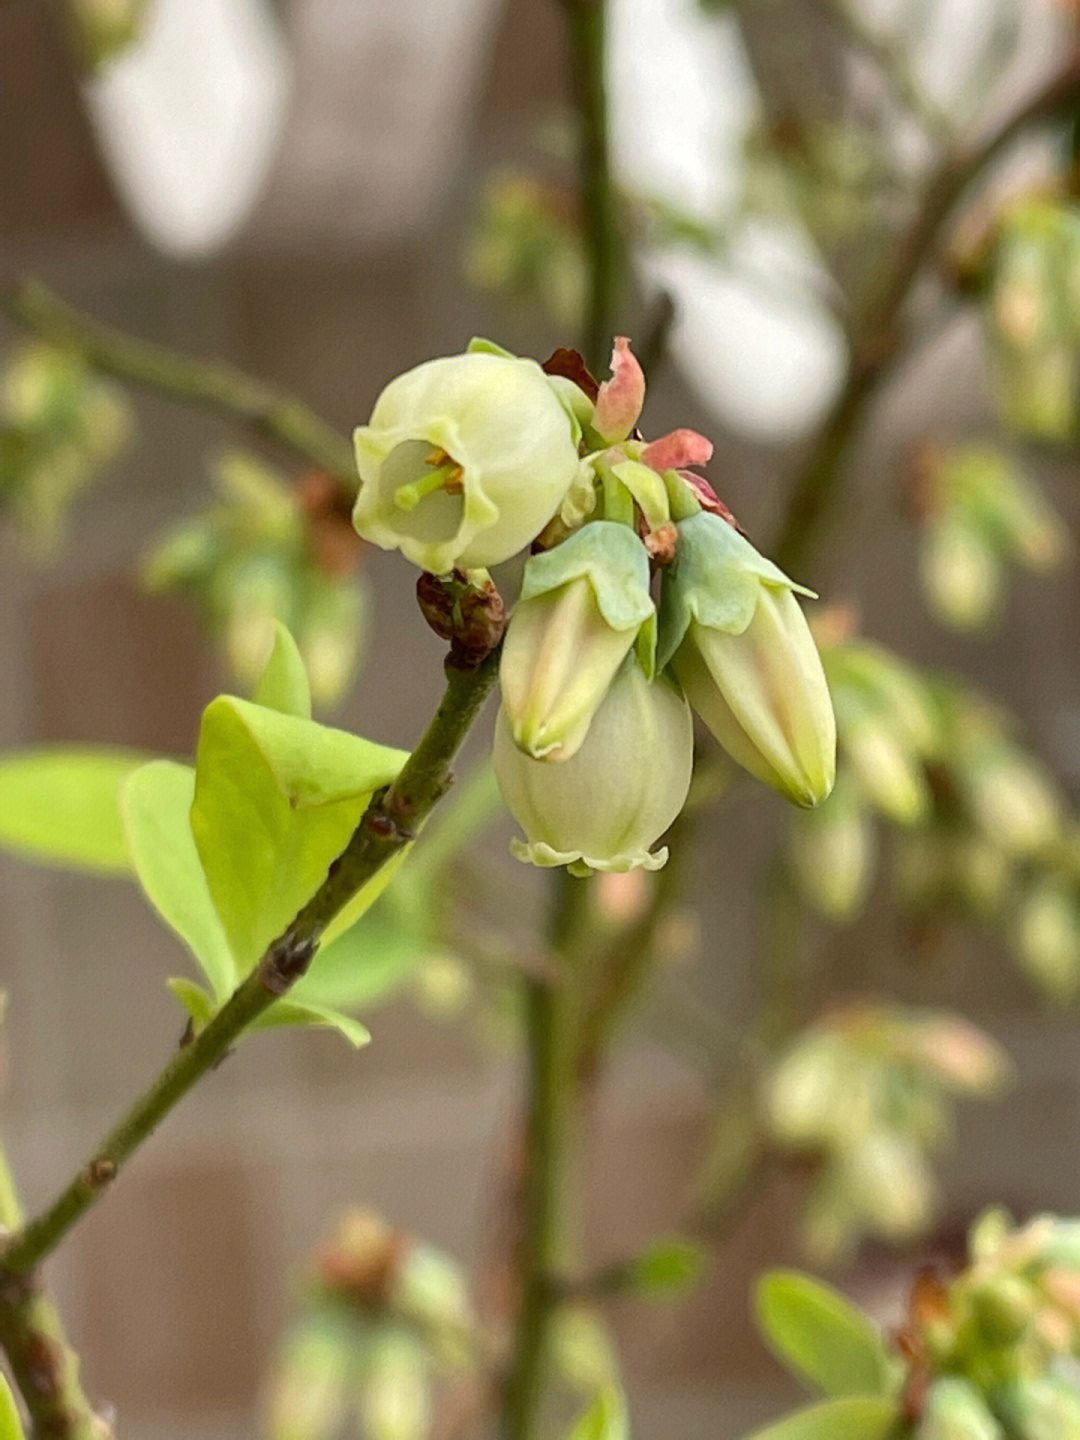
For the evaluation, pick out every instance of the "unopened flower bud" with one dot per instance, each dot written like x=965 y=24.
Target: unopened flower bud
x=1041 y=1407
x=1048 y=937
x=956 y=1410
x=604 y=807
x=743 y=653
x=464 y=461
x=834 y=853
x=583 y=605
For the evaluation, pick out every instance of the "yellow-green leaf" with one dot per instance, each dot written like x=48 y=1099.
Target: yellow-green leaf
x=283 y=685
x=156 y=808
x=59 y=805
x=276 y=800
x=823 y=1337
x=854 y=1417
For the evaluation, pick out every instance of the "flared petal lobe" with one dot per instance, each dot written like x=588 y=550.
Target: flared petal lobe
x=464 y=461
x=604 y=807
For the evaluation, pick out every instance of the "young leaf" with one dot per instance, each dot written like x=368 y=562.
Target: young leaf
x=199 y=1003
x=276 y=800
x=605 y=1419
x=10 y=1424
x=284 y=683
x=822 y=1336
x=666 y=1268
x=362 y=966
x=156 y=808
x=854 y=1417
x=288 y=1012
x=60 y=806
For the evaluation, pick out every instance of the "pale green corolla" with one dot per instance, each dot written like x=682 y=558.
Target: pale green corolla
x=741 y=648
x=464 y=460
x=604 y=807
x=582 y=607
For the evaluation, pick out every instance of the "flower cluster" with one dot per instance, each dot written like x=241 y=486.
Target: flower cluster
x=470 y=459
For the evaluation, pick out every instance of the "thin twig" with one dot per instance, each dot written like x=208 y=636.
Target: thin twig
x=879 y=339
x=387 y=825
x=207 y=384
x=889 y=59
x=32 y=1336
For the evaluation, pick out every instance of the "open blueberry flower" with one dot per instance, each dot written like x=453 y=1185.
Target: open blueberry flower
x=741 y=648
x=604 y=807
x=583 y=605
x=464 y=461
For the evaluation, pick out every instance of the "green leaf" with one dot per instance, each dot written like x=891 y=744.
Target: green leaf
x=10 y=1424
x=605 y=1419
x=199 y=1003
x=855 y=1417
x=276 y=800
x=289 y=1012
x=60 y=806
x=283 y=685
x=362 y=966
x=822 y=1336
x=156 y=808
x=666 y=1267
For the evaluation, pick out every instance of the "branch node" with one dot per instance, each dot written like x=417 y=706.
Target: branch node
x=286 y=961
x=100 y=1173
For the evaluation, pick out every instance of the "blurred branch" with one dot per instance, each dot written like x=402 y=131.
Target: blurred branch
x=890 y=60
x=388 y=824
x=265 y=410
x=32 y=1335
x=878 y=338
x=547 y=1133
x=599 y=202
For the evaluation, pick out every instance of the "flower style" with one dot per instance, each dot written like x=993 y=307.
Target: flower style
x=583 y=605
x=605 y=806
x=464 y=461
x=741 y=648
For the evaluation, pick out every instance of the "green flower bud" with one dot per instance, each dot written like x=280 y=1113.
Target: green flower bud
x=743 y=652
x=1048 y=937
x=834 y=854
x=582 y=606
x=961 y=574
x=888 y=1179
x=956 y=1410
x=464 y=461
x=604 y=807
x=889 y=774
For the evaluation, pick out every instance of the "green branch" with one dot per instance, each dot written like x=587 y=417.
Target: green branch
x=599 y=202
x=43 y=1364
x=209 y=385
x=879 y=339
x=549 y=1108
x=389 y=822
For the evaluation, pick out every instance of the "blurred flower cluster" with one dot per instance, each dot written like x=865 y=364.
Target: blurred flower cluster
x=979 y=824
x=267 y=552
x=385 y=1321
x=980 y=514
x=1033 y=316
x=993 y=1351
x=60 y=426
x=471 y=459
x=989 y=1353
x=527 y=242
x=868 y=1091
